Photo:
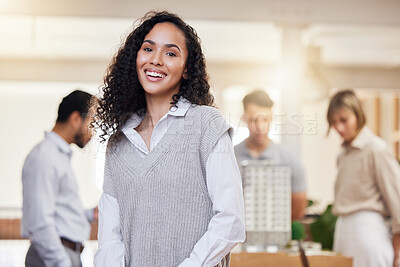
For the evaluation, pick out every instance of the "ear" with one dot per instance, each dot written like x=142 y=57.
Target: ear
x=185 y=76
x=75 y=119
x=243 y=118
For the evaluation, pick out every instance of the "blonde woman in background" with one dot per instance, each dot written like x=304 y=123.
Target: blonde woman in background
x=367 y=188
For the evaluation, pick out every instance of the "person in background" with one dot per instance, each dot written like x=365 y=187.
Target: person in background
x=53 y=217
x=367 y=188
x=172 y=193
x=258 y=116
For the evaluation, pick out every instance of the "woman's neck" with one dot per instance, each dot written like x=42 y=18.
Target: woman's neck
x=350 y=140
x=156 y=108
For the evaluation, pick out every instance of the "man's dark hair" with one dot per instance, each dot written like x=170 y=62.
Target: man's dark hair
x=259 y=98
x=75 y=101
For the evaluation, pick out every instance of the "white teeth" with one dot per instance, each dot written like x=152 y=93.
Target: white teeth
x=155 y=74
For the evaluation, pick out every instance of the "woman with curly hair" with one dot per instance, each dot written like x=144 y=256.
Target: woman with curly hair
x=172 y=193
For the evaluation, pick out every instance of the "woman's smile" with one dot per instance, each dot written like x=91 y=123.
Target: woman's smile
x=155 y=75
x=161 y=61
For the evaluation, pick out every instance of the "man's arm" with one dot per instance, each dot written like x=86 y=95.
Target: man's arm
x=92 y=214
x=299 y=189
x=299 y=205
x=40 y=188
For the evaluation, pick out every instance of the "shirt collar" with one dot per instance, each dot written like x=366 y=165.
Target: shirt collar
x=59 y=142
x=263 y=155
x=361 y=140
x=182 y=106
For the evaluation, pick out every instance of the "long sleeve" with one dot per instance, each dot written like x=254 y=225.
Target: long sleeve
x=299 y=183
x=40 y=187
x=226 y=227
x=111 y=248
x=387 y=173
x=89 y=213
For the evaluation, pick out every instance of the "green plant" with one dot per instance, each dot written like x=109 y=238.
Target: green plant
x=298 y=232
x=323 y=229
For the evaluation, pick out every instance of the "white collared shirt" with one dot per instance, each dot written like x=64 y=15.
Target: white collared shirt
x=224 y=185
x=51 y=205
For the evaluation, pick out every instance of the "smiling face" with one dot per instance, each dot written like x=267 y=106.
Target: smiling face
x=161 y=60
x=344 y=121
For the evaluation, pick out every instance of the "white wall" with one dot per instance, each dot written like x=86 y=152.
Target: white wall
x=319 y=153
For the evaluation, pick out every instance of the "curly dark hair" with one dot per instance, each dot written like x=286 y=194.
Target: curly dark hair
x=123 y=94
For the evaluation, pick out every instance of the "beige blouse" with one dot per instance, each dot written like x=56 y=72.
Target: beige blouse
x=368 y=178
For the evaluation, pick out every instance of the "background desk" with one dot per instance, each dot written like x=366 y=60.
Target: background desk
x=282 y=259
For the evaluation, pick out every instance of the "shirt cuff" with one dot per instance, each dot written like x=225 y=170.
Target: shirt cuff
x=89 y=213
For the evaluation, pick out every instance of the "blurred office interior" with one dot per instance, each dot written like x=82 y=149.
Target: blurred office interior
x=300 y=52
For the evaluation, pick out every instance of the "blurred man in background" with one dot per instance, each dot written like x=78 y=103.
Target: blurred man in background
x=258 y=116
x=53 y=215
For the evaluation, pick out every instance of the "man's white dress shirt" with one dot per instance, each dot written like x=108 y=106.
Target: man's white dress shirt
x=51 y=205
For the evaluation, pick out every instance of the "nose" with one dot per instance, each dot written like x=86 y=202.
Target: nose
x=260 y=126
x=339 y=127
x=156 y=59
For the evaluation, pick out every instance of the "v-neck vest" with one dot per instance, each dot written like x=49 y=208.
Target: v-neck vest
x=164 y=203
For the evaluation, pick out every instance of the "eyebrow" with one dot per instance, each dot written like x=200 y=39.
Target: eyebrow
x=166 y=45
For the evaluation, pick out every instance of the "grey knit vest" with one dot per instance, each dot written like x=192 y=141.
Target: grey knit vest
x=164 y=203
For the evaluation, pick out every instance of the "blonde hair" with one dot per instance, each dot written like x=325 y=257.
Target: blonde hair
x=346 y=99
